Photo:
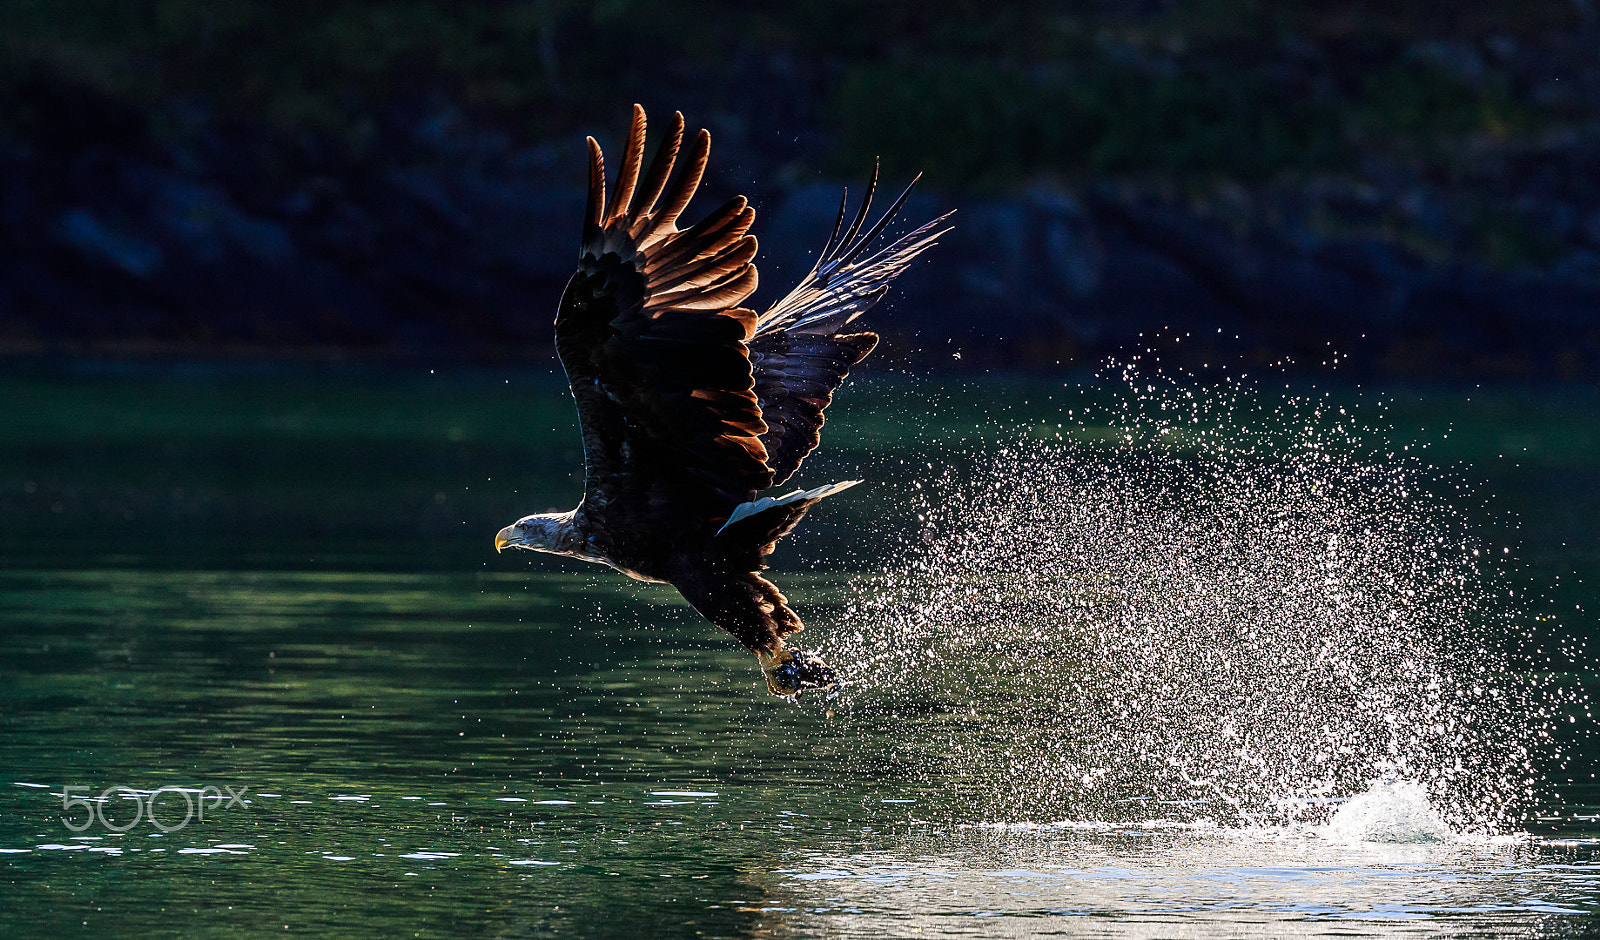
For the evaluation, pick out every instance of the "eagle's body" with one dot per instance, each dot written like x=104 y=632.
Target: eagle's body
x=691 y=404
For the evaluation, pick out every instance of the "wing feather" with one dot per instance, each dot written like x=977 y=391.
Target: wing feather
x=800 y=354
x=718 y=233
x=796 y=376
x=655 y=179
x=594 y=209
x=628 y=177
x=683 y=189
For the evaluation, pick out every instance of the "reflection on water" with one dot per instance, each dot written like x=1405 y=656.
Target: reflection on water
x=1128 y=882
x=1384 y=861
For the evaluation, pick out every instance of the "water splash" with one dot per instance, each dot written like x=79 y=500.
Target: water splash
x=1203 y=599
x=1395 y=811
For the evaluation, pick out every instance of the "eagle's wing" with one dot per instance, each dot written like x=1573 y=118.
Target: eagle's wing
x=799 y=352
x=651 y=334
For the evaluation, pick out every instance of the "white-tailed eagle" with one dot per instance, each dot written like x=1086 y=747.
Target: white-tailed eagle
x=690 y=404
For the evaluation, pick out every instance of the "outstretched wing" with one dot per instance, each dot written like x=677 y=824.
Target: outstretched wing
x=799 y=354
x=652 y=336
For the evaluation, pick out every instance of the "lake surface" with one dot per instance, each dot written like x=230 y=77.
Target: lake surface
x=255 y=620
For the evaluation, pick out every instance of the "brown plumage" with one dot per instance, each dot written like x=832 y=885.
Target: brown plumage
x=690 y=403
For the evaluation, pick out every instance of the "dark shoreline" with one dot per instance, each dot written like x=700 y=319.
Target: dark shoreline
x=1422 y=196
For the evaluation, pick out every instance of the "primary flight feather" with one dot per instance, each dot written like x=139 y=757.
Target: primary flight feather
x=690 y=404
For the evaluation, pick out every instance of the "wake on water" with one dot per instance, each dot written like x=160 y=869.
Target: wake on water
x=1203 y=603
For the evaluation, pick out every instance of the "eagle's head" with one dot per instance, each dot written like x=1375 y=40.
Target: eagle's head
x=543 y=532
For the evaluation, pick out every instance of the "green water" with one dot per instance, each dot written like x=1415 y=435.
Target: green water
x=386 y=726
x=283 y=582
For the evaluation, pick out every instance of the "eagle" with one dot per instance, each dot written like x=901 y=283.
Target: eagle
x=691 y=403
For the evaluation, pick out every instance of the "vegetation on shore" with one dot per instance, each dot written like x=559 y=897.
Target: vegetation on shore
x=979 y=94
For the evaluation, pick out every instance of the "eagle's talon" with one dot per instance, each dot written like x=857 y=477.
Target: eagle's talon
x=794 y=671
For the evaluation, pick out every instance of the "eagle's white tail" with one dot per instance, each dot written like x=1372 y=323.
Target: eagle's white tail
x=746 y=510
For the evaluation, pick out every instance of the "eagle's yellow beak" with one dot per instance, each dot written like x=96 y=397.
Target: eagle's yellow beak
x=506 y=536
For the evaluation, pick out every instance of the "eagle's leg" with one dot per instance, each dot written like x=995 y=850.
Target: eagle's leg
x=790 y=671
x=753 y=609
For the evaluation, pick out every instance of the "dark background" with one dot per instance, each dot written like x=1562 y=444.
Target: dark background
x=1413 y=184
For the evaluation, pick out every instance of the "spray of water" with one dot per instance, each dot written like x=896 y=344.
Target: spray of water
x=1198 y=601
